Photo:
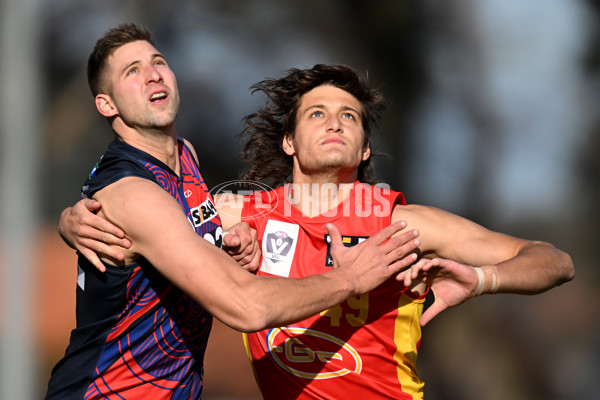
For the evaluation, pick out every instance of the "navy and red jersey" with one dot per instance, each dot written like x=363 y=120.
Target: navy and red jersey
x=137 y=335
x=364 y=348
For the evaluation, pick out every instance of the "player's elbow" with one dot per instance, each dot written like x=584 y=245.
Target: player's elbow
x=567 y=268
x=250 y=318
x=559 y=265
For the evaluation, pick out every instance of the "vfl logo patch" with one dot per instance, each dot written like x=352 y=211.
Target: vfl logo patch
x=278 y=247
x=348 y=241
x=204 y=212
x=312 y=354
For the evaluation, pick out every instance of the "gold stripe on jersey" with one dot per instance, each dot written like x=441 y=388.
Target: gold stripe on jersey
x=406 y=332
x=249 y=354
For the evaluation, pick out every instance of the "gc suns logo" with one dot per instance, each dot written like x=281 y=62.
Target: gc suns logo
x=312 y=354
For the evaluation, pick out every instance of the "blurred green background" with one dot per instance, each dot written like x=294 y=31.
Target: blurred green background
x=493 y=117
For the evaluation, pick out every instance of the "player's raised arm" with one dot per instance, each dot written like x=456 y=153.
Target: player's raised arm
x=519 y=266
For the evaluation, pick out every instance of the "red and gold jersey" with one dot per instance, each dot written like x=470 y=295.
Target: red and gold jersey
x=363 y=348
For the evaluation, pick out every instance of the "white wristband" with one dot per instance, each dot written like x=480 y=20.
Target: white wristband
x=487 y=280
x=480 y=281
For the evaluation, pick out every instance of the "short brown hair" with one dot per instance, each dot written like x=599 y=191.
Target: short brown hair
x=106 y=45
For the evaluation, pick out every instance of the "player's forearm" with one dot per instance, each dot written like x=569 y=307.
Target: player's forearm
x=357 y=270
x=537 y=267
x=282 y=301
x=247 y=302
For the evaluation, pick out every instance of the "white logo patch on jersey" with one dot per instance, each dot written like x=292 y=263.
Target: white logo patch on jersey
x=278 y=247
x=203 y=213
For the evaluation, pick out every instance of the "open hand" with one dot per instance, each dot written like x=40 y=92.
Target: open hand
x=371 y=262
x=91 y=235
x=451 y=283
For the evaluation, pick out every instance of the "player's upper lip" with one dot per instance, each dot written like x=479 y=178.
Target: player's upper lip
x=333 y=139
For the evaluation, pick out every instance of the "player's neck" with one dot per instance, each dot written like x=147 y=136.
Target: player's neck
x=316 y=194
x=159 y=144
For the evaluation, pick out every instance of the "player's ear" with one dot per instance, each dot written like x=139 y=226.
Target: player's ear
x=288 y=145
x=366 y=151
x=105 y=105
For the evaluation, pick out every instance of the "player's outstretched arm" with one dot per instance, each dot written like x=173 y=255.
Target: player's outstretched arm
x=510 y=264
x=238 y=298
x=357 y=270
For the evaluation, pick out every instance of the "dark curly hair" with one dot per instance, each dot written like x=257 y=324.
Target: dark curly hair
x=105 y=46
x=265 y=129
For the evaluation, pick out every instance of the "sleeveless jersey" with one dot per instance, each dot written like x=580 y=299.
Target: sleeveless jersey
x=363 y=348
x=137 y=335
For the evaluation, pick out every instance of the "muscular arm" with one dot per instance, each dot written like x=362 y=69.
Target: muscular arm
x=523 y=266
x=241 y=300
x=94 y=236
